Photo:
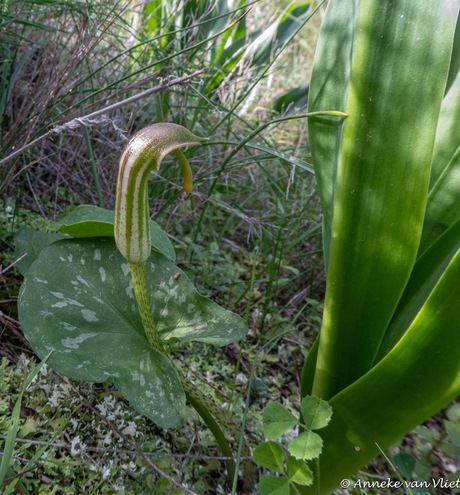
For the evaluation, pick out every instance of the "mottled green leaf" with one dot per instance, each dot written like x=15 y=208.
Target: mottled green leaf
x=77 y=299
x=31 y=243
x=92 y=221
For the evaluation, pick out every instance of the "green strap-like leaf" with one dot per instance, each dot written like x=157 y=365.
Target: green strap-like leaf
x=424 y=277
x=328 y=91
x=420 y=376
x=443 y=207
x=382 y=171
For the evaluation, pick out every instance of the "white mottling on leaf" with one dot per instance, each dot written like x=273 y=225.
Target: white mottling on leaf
x=171 y=294
x=74 y=343
x=70 y=258
x=164 y=311
x=62 y=258
x=60 y=304
x=82 y=280
x=58 y=295
x=129 y=290
x=102 y=274
x=125 y=269
x=82 y=261
x=89 y=315
x=190 y=308
x=40 y=281
x=73 y=302
x=97 y=255
x=137 y=377
x=68 y=326
x=181 y=299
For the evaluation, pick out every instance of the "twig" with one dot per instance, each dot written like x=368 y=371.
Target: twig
x=108 y=450
x=91 y=119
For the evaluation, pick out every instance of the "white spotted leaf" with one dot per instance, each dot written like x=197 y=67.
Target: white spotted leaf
x=77 y=299
x=93 y=221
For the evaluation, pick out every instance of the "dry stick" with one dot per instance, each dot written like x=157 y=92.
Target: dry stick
x=88 y=448
x=90 y=119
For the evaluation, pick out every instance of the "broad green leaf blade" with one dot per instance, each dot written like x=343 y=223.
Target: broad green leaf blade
x=420 y=376
x=382 y=177
x=443 y=207
x=455 y=59
x=92 y=221
x=178 y=310
x=328 y=91
x=424 y=277
x=308 y=371
x=270 y=456
x=298 y=472
x=77 y=298
x=272 y=485
x=31 y=243
x=277 y=420
x=316 y=413
x=306 y=446
x=70 y=303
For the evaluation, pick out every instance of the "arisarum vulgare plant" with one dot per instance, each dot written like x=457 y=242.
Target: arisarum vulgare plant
x=116 y=310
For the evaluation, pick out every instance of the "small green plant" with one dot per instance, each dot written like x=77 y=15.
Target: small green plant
x=118 y=311
x=307 y=446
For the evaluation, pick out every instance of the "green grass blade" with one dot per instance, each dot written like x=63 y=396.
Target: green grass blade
x=382 y=177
